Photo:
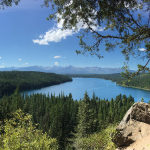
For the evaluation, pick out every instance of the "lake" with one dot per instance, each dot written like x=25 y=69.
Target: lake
x=102 y=88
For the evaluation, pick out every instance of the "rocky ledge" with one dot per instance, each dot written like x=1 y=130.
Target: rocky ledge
x=134 y=128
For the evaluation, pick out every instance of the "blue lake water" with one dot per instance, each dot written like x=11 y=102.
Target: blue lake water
x=102 y=88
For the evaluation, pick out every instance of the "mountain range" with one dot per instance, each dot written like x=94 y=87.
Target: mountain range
x=66 y=70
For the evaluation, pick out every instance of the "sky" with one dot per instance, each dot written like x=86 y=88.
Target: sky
x=28 y=39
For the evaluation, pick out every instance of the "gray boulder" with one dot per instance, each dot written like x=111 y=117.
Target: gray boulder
x=134 y=126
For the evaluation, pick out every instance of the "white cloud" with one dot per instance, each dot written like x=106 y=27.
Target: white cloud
x=0 y=57
x=56 y=63
x=2 y=66
x=56 y=57
x=26 y=63
x=56 y=34
x=53 y=35
x=142 y=49
x=20 y=59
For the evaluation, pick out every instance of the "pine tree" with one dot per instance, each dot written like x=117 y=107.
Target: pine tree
x=86 y=119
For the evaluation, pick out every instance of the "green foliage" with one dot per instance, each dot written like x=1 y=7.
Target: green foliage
x=65 y=119
x=20 y=133
x=142 y=99
x=54 y=115
x=87 y=117
x=97 y=141
x=95 y=115
x=27 y=80
x=141 y=81
x=6 y=3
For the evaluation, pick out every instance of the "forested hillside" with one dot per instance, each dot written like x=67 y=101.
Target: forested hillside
x=67 y=120
x=114 y=77
x=141 y=81
x=26 y=80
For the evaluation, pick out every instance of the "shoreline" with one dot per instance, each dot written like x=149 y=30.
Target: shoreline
x=134 y=87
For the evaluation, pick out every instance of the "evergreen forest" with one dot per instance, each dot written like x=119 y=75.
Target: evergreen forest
x=69 y=124
x=27 y=80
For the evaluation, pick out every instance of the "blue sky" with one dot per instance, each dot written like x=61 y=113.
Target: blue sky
x=28 y=39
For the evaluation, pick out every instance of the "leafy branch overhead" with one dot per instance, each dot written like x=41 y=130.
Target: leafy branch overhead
x=125 y=24
x=108 y=24
x=7 y=3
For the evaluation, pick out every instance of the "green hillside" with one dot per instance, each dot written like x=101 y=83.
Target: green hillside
x=27 y=80
x=141 y=81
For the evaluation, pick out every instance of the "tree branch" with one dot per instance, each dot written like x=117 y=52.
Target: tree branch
x=105 y=36
x=143 y=68
x=135 y=22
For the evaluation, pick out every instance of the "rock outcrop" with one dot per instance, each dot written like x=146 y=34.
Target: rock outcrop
x=134 y=127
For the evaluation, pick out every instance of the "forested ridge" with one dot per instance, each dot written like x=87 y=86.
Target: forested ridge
x=116 y=77
x=142 y=81
x=27 y=80
x=68 y=121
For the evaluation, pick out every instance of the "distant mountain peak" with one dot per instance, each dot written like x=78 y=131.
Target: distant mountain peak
x=67 y=70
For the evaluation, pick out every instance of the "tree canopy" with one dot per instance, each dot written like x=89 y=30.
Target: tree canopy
x=4 y=3
x=27 y=80
x=20 y=133
x=64 y=119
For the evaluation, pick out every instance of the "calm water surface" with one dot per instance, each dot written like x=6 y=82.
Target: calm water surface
x=102 y=88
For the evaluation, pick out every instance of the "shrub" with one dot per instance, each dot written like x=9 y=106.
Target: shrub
x=97 y=141
x=20 y=133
